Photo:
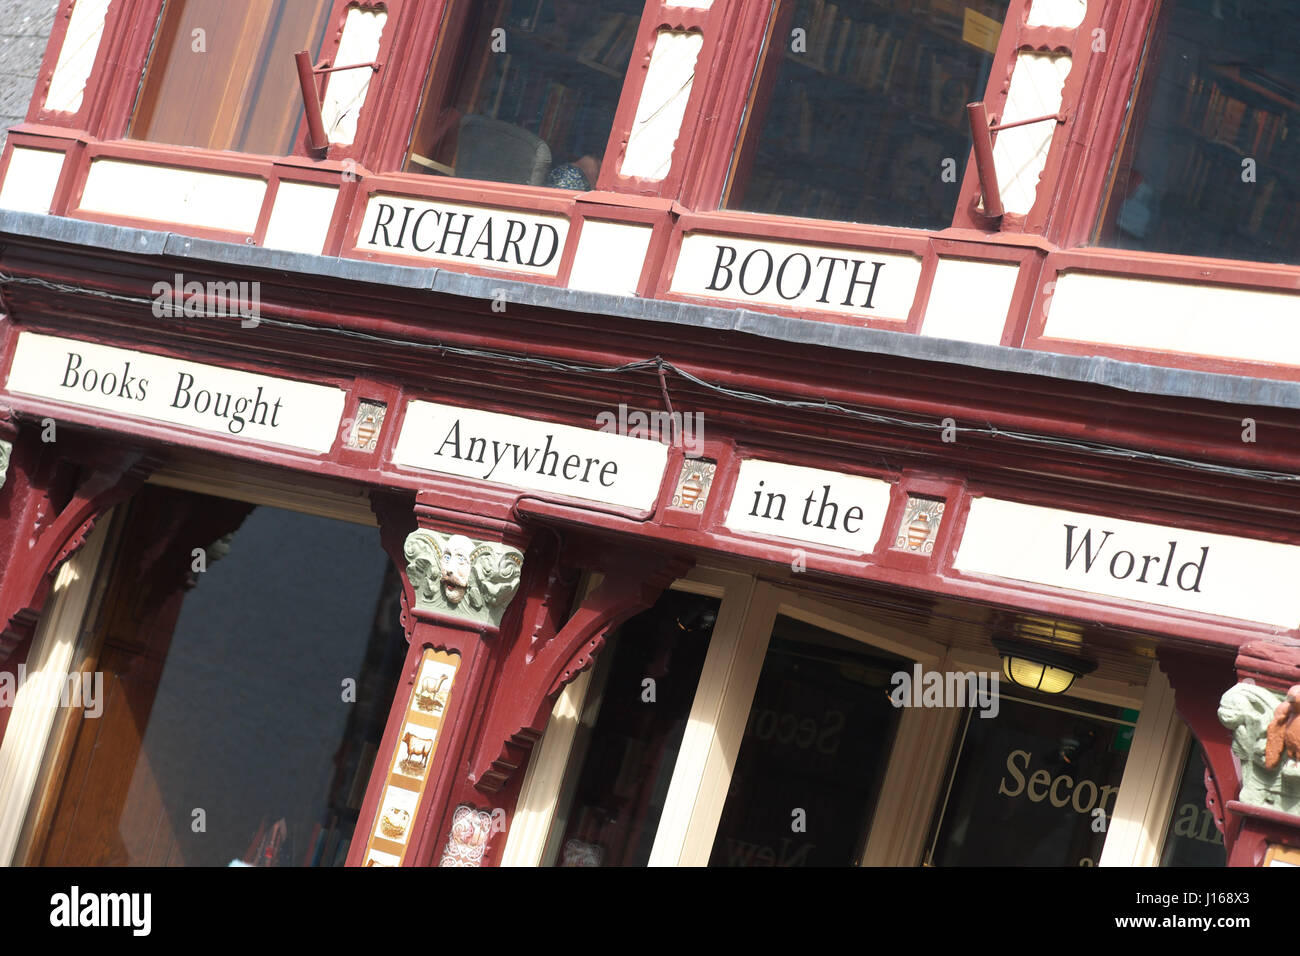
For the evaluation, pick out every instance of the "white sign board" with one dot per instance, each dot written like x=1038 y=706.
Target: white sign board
x=209 y=398
x=808 y=504
x=478 y=235
x=1192 y=570
x=523 y=453
x=851 y=282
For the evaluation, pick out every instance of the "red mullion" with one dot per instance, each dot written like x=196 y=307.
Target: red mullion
x=368 y=124
x=656 y=17
x=130 y=42
x=409 y=60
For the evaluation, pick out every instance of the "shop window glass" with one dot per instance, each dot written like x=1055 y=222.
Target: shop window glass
x=817 y=741
x=1207 y=165
x=524 y=91
x=223 y=698
x=627 y=758
x=1192 y=839
x=1025 y=785
x=222 y=75
x=858 y=110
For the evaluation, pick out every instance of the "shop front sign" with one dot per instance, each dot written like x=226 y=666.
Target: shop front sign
x=809 y=504
x=158 y=388
x=1134 y=561
x=535 y=455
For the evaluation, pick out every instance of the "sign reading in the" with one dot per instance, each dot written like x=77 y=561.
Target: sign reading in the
x=808 y=504
x=162 y=389
x=867 y=284
x=481 y=236
x=1193 y=570
x=523 y=453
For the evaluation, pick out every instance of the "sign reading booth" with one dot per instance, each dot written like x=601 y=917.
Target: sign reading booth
x=162 y=389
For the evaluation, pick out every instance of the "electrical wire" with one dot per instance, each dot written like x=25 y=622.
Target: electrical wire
x=660 y=365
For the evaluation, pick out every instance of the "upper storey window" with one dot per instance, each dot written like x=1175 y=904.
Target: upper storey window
x=1208 y=161
x=524 y=91
x=858 y=110
x=221 y=74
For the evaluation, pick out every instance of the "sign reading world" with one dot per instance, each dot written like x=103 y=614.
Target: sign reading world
x=523 y=453
x=158 y=388
x=1192 y=570
x=808 y=504
x=478 y=235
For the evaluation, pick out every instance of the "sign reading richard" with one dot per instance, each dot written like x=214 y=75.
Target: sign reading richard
x=1193 y=570
x=162 y=389
x=523 y=453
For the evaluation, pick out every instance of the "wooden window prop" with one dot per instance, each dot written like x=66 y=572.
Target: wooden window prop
x=524 y=91
x=408 y=775
x=222 y=74
x=858 y=110
x=1207 y=165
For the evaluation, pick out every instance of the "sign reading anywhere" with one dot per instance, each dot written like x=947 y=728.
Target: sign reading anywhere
x=162 y=389
x=830 y=279
x=447 y=232
x=523 y=453
x=808 y=504
x=1192 y=570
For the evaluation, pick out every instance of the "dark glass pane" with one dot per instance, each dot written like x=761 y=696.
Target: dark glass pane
x=1208 y=166
x=1026 y=782
x=1192 y=838
x=858 y=105
x=532 y=94
x=633 y=746
x=222 y=74
x=817 y=740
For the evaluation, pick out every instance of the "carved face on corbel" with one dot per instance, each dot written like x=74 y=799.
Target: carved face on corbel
x=456 y=567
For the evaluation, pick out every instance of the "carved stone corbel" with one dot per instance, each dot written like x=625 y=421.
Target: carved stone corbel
x=455 y=576
x=1265 y=729
x=6 y=450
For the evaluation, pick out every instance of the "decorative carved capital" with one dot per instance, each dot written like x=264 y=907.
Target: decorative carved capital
x=1265 y=729
x=6 y=449
x=452 y=575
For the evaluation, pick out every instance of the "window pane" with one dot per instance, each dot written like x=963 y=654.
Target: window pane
x=1192 y=838
x=817 y=740
x=1025 y=784
x=222 y=74
x=632 y=749
x=530 y=93
x=1207 y=168
x=858 y=105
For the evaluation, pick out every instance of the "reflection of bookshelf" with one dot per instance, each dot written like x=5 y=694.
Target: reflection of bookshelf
x=867 y=73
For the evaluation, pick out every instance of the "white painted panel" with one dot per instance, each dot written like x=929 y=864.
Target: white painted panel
x=209 y=398
x=1134 y=561
x=77 y=56
x=451 y=232
x=31 y=180
x=663 y=104
x=1176 y=317
x=300 y=217
x=692 y=4
x=346 y=92
x=524 y=453
x=1057 y=13
x=808 y=504
x=969 y=301
x=863 y=283
x=167 y=194
x=609 y=257
x=1020 y=154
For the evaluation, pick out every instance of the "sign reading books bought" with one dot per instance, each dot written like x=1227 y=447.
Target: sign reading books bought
x=808 y=504
x=830 y=279
x=1192 y=570
x=523 y=453
x=227 y=402
x=409 y=771
x=447 y=232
